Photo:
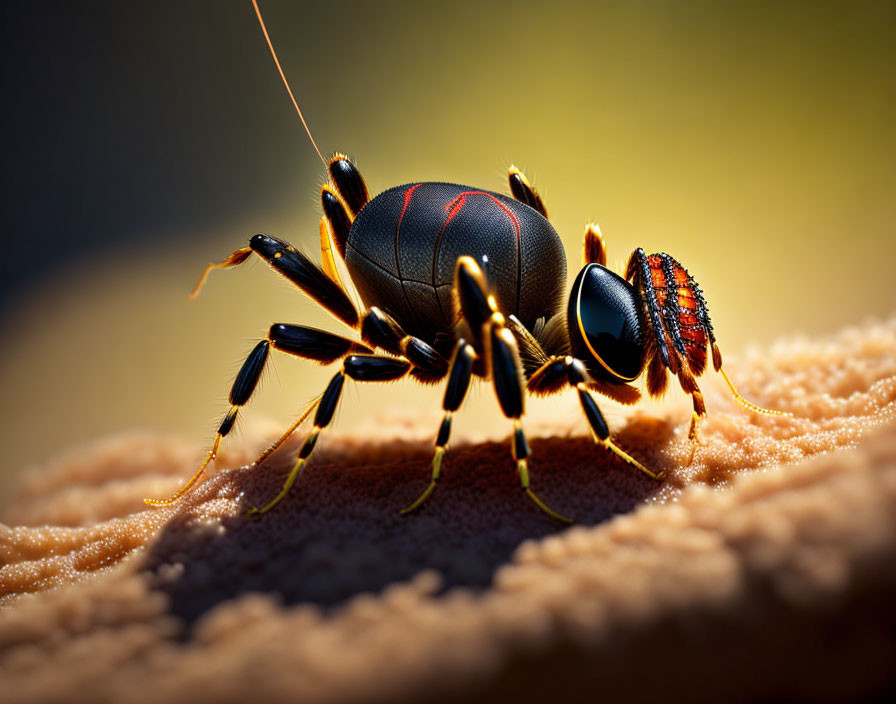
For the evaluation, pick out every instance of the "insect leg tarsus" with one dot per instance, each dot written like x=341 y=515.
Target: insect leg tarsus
x=524 y=192
x=325 y=410
x=459 y=375
x=601 y=432
x=243 y=386
x=234 y=259
x=361 y=367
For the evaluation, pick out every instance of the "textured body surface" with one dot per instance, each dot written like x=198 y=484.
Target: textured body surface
x=762 y=571
x=675 y=302
x=404 y=244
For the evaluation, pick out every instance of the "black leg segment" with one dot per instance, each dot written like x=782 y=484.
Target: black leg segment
x=594 y=416
x=349 y=182
x=369 y=367
x=243 y=386
x=305 y=274
x=338 y=215
x=379 y=329
x=472 y=290
x=506 y=371
x=311 y=343
x=523 y=191
x=329 y=401
x=249 y=374
x=459 y=375
x=361 y=367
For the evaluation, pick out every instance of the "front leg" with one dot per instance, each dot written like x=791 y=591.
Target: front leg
x=554 y=376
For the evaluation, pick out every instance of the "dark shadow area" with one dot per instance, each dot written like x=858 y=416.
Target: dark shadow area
x=339 y=532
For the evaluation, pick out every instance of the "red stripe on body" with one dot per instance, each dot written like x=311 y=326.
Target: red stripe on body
x=454 y=207
x=407 y=201
x=408 y=194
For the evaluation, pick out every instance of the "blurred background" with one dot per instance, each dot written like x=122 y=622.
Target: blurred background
x=754 y=142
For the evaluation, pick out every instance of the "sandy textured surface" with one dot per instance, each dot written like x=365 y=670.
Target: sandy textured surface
x=765 y=569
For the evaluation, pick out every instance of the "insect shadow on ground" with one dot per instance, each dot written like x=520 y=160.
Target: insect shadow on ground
x=339 y=532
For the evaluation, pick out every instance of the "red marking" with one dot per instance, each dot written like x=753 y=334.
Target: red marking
x=453 y=208
x=407 y=200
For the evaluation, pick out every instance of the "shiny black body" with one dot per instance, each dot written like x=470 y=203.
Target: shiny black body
x=605 y=319
x=404 y=244
x=456 y=282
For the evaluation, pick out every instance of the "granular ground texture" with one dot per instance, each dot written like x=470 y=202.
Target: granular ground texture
x=762 y=569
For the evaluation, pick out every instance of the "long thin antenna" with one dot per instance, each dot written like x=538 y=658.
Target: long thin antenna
x=286 y=83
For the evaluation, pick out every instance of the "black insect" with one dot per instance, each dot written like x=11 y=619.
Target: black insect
x=461 y=282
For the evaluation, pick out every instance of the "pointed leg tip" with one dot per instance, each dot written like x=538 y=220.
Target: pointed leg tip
x=544 y=507
x=419 y=502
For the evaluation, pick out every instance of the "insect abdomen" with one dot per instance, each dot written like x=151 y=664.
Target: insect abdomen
x=404 y=244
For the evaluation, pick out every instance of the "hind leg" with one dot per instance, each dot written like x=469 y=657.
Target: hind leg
x=361 y=367
x=306 y=342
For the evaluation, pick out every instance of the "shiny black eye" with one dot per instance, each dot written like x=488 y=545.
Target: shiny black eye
x=605 y=329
